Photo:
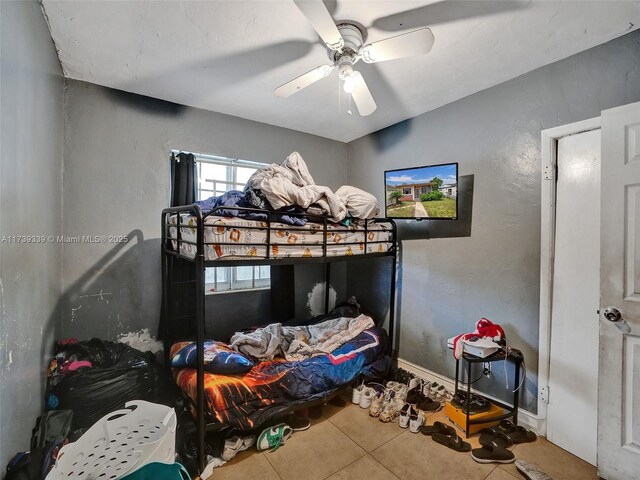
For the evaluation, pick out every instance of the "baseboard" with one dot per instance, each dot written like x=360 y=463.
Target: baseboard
x=525 y=418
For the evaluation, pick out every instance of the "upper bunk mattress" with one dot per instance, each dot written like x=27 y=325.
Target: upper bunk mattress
x=238 y=238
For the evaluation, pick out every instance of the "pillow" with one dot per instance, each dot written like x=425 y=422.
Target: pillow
x=218 y=358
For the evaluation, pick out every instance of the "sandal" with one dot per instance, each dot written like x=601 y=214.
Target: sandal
x=274 y=437
x=506 y=426
x=531 y=472
x=492 y=453
x=437 y=427
x=488 y=435
x=521 y=435
x=454 y=442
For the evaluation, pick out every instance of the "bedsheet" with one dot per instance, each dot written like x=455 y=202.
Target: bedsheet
x=270 y=388
x=234 y=238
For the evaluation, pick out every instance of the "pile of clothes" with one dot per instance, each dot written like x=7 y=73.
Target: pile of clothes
x=289 y=190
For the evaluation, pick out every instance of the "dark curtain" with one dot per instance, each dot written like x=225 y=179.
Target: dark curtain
x=183 y=179
x=183 y=192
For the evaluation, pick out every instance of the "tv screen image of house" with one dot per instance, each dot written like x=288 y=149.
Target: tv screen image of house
x=422 y=192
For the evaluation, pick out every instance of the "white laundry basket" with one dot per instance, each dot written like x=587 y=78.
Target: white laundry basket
x=120 y=443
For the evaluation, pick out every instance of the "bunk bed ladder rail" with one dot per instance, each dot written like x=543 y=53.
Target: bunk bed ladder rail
x=392 y=293
x=200 y=335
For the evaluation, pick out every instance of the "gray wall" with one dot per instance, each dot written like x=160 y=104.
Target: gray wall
x=30 y=204
x=116 y=182
x=446 y=284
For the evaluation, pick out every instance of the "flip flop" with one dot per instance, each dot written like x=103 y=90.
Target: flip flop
x=454 y=442
x=522 y=435
x=506 y=426
x=492 y=453
x=437 y=427
x=488 y=435
x=531 y=472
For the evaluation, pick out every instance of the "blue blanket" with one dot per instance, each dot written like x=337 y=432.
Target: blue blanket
x=236 y=198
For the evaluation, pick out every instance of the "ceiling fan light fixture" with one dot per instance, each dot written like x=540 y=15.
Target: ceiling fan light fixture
x=350 y=81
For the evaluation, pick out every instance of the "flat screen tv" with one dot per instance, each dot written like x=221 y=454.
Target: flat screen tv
x=421 y=193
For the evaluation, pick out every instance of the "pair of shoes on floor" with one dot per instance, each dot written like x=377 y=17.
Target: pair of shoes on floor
x=274 y=437
x=362 y=395
x=386 y=407
x=403 y=376
x=410 y=417
x=422 y=402
x=476 y=403
x=445 y=435
x=436 y=392
x=507 y=434
x=236 y=444
x=496 y=440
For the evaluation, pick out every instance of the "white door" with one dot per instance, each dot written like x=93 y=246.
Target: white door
x=573 y=367
x=619 y=384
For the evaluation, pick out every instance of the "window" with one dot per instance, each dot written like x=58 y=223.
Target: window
x=217 y=175
x=406 y=190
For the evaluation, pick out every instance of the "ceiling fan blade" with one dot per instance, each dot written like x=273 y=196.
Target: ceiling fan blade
x=362 y=96
x=321 y=20
x=448 y=11
x=418 y=42
x=303 y=81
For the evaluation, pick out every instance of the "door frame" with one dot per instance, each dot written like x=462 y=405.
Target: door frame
x=550 y=139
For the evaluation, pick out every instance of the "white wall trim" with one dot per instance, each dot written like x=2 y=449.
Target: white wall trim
x=550 y=139
x=525 y=418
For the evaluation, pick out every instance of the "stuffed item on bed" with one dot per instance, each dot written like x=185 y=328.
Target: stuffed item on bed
x=218 y=358
x=272 y=387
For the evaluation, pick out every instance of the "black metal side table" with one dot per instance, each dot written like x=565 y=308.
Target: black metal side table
x=514 y=356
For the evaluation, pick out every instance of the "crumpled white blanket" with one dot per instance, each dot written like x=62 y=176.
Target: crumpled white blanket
x=299 y=343
x=292 y=184
x=359 y=203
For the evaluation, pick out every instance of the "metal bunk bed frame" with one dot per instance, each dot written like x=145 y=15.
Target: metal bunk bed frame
x=199 y=262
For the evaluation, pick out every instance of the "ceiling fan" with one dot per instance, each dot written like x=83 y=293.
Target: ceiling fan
x=345 y=44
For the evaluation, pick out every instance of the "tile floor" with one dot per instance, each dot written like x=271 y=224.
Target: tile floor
x=347 y=444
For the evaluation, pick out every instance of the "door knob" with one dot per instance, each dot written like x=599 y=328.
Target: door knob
x=613 y=314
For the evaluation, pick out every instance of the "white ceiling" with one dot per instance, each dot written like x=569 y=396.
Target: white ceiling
x=228 y=56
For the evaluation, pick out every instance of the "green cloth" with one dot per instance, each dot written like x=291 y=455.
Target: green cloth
x=156 y=471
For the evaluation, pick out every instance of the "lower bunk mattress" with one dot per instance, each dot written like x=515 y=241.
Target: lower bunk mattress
x=234 y=238
x=273 y=387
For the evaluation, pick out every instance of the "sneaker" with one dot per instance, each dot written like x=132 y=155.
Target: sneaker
x=441 y=393
x=416 y=420
x=366 y=397
x=415 y=383
x=231 y=447
x=405 y=414
x=426 y=387
x=391 y=407
x=356 y=393
x=428 y=406
x=274 y=437
x=376 y=405
x=297 y=423
x=433 y=388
